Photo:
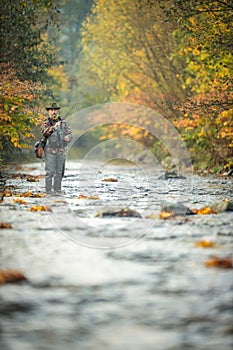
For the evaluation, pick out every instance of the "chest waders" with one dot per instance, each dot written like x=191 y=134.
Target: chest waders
x=54 y=160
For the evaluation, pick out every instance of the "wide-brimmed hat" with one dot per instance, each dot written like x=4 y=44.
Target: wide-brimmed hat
x=53 y=106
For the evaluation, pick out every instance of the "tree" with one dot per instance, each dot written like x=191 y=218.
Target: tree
x=74 y=13
x=27 y=33
x=205 y=43
x=27 y=52
x=129 y=51
x=17 y=114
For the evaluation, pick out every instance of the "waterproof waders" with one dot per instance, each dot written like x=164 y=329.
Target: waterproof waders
x=54 y=168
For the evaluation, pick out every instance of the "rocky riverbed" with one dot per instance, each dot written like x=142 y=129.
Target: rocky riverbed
x=94 y=281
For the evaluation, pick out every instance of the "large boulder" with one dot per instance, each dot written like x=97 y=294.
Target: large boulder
x=176 y=208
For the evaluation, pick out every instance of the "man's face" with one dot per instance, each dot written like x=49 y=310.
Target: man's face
x=53 y=113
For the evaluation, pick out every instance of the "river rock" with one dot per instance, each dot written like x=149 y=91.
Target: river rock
x=123 y=212
x=170 y=175
x=176 y=208
x=222 y=206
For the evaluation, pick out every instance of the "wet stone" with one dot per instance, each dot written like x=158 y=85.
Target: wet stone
x=222 y=206
x=170 y=175
x=176 y=208
x=123 y=212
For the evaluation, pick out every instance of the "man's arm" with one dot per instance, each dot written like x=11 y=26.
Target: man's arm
x=47 y=129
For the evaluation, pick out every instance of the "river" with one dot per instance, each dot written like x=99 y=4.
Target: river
x=115 y=283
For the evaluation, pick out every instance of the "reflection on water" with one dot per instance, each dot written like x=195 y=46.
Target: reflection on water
x=153 y=292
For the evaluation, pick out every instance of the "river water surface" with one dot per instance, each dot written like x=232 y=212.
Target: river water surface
x=118 y=283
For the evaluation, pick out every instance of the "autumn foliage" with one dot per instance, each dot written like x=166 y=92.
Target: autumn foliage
x=172 y=56
x=16 y=113
x=205 y=43
x=26 y=54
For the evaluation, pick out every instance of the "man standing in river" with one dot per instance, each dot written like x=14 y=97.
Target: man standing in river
x=58 y=134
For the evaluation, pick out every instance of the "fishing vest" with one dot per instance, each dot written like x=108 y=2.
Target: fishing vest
x=56 y=139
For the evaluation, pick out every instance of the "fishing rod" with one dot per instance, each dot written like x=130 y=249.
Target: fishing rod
x=70 y=110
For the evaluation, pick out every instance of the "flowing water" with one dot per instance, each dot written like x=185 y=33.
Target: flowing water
x=117 y=283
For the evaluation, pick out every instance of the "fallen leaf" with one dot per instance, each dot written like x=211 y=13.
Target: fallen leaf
x=151 y=216
x=32 y=178
x=6 y=193
x=205 y=244
x=11 y=276
x=82 y=196
x=17 y=176
x=225 y=263
x=19 y=201
x=110 y=179
x=165 y=215
x=30 y=194
x=5 y=225
x=28 y=177
x=205 y=211
x=40 y=208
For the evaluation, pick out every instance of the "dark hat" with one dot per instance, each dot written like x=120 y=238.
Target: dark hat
x=53 y=106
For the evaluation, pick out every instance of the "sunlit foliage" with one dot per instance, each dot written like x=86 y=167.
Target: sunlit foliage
x=128 y=51
x=16 y=113
x=173 y=56
x=204 y=36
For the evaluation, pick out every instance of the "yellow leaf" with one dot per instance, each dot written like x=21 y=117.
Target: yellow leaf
x=19 y=201
x=205 y=211
x=205 y=244
x=40 y=208
x=165 y=215
x=82 y=196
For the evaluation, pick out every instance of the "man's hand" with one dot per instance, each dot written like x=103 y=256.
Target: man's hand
x=57 y=124
x=66 y=138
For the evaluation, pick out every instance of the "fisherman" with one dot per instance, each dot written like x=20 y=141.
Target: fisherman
x=58 y=134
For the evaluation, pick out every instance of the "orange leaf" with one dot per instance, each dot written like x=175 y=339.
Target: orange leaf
x=205 y=244
x=5 y=225
x=82 y=196
x=10 y=276
x=204 y=211
x=30 y=194
x=225 y=263
x=6 y=193
x=165 y=215
x=32 y=178
x=110 y=179
x=20 y=201
x=40 y=208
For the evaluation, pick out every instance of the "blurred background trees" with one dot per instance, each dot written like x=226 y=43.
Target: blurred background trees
x=27 y=51
x=204 y=36
x=173 y=56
